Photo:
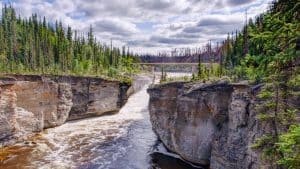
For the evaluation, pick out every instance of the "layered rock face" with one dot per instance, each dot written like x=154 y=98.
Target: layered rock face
x=95 y=96
x=207 y=124
x=47 y=103
x=30 y=104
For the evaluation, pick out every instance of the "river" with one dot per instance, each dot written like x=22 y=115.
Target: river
x=121 y=141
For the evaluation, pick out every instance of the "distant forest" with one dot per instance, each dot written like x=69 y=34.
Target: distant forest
x=33 y=45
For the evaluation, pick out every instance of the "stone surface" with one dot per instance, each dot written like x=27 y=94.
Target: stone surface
x=186 y=117
x=211 y=124
x=94 y=96
x=7 y=112
x=48 y=101
x=29 y=104
x=231 y=146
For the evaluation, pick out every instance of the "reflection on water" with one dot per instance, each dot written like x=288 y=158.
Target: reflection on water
x=121 y=141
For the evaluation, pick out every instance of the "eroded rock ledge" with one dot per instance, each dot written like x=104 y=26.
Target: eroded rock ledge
x=29 y=104
x=207 y=124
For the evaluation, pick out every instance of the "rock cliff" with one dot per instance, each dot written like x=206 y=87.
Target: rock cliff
x=208 y=124
x=29 y=104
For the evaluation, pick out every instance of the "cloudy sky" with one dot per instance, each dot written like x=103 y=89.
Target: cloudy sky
x=148 y=26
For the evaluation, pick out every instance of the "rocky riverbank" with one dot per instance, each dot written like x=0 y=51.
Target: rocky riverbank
x=209 y=124
x=29 y=104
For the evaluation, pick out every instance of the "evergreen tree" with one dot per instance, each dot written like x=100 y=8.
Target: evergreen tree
x=35 y=46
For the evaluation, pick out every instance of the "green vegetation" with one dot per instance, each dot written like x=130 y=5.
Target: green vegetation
x=163 y=76
x=266 y=44
x=289 y=146
x=208 y=72
x=167 y=79
x=267 y=51
x=34 y=46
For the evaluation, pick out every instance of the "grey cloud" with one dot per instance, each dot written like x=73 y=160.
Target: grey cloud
x=93 y=8
x=142 y=43
x=188 y=35
x=155 y=4
x=232 y=3
x=113 y=27
x=174 y=21
x=213 y=29
x=195 y=1
x=213 y=25
x=129 y=8
x=216 y=21
x=238 y=2
x=193 y=29
x=173 y=41
x=175 y=27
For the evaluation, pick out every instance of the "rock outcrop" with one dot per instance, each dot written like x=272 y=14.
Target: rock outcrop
x=29 y=104
x=208 y=124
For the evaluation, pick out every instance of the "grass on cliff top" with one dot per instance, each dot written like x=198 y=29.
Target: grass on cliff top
x=208 y=72
x=190 y=79
x=124 y=75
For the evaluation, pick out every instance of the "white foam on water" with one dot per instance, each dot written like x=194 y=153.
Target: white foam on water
x=76 y=142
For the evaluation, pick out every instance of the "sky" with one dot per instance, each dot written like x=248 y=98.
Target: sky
x=148 y=26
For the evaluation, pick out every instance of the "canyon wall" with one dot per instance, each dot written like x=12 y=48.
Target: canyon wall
x=208 y=124
x=29 y=104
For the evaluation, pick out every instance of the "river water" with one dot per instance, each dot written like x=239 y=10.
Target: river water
x=121 y=141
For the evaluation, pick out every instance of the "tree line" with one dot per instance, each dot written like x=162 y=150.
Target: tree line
x=35 y=45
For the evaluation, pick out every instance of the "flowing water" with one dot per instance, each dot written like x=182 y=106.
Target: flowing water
x=121 y=141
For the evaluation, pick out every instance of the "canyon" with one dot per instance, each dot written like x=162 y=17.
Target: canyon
x=212 y=124
x=119 y=140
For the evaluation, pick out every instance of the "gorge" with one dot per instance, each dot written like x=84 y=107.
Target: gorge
x=52 y=121
x=134 y=84
x=119 y=140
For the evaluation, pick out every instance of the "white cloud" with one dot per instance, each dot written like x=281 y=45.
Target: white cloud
x=174 y=23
